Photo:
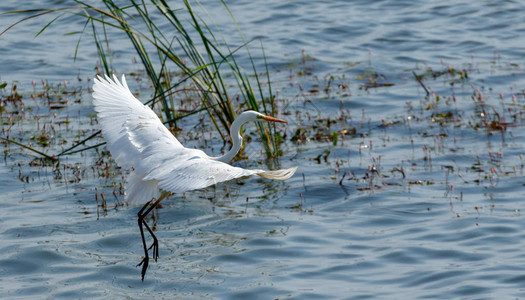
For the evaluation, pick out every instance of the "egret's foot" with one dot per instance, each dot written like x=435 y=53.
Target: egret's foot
x=144 y=263
x=155 y=246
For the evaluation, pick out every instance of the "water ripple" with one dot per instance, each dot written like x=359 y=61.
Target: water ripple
x=433 y=222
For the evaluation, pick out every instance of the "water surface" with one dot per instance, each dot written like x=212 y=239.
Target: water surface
x=421 y=197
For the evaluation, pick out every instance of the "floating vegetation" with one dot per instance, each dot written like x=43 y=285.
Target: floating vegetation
x=330 y=119
x=192 y=58
x=438 y=124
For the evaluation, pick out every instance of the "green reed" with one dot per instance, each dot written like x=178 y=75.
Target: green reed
x=185 y=47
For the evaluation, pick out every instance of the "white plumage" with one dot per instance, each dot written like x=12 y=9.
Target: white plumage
x=137 y=139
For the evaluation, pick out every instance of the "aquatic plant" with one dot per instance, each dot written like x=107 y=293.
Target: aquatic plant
x=200 y=60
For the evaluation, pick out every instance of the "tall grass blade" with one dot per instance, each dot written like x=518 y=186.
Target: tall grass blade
x=192 y=49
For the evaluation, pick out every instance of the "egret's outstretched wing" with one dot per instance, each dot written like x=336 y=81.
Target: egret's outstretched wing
x=180 y=170
x=137 y=138
x=117 y=110
x=199 y=172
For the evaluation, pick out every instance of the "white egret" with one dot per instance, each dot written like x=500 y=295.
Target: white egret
x=159 y=163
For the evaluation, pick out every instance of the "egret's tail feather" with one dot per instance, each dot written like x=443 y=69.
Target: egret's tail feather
x=278 y=174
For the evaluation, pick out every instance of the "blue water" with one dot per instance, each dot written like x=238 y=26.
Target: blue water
x=441 y=218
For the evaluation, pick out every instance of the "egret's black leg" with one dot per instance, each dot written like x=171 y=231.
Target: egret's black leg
x=155 y=245
x=145 y=260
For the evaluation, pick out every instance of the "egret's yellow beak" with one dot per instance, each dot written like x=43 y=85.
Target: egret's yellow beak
x=272 y=119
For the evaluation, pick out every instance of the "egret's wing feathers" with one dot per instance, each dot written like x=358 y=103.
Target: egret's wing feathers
x=180 y=170
x=117 y=110
x=137 y=138
x=143 y=131
x=198 y=172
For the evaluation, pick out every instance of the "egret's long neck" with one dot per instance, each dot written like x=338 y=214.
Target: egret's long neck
x=236 y=141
